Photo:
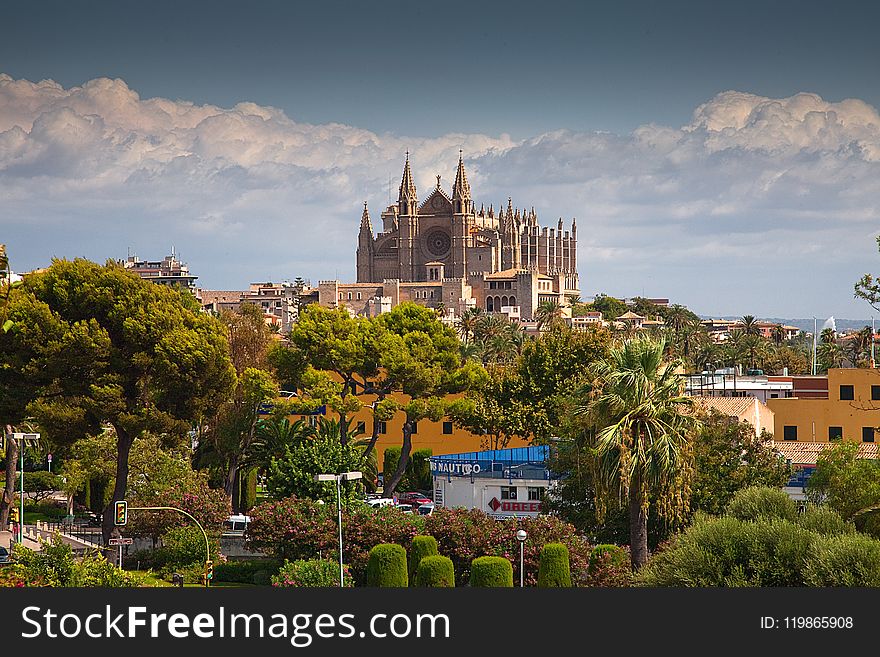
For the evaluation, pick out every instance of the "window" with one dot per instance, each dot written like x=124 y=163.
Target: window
x=875 y=393
x=383 y=427
x=508 y=492
x=349 y=296
x=867 y=434
x=846 y=392
x=789 y=432
x=491 y=285
x=361 y=427
x=835 y=433
x=447 y=428
x=359 y=296
x=415 y=427
x=536 y=493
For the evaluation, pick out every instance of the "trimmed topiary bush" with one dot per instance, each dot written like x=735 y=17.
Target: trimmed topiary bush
x=435 y=571
x=421 y=547
x=761 y=502
x=491 y=572
x=387 y=566
x=554 y=570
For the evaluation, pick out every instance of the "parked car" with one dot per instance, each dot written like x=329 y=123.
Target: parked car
x=413 y=498
x=4 y=555
x=378 y=502
x=426 y=509
x=406 y=508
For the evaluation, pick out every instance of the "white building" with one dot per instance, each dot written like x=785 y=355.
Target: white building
x=503 y=483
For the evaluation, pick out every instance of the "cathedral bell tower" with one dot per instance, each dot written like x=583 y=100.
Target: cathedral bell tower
x=407 y=211
x=462 y=220
x=365 y=249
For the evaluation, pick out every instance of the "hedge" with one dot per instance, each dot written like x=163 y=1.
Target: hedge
x=761 y=502
x=435 y=571
x=246 y=572
x=387 y=566
x=491 y=572
x=554 y=570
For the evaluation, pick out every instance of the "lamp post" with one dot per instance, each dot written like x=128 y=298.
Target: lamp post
x=521 y=536
x=338 y=478
x=20 y=439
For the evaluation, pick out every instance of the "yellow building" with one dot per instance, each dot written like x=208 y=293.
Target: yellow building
x=849 y=411
x=442 y=437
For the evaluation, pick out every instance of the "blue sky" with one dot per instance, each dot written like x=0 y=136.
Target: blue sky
x=275 y=120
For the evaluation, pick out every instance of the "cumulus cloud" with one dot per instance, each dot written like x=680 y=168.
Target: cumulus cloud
x=773 y=201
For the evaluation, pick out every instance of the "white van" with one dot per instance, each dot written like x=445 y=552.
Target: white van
x=236 y=524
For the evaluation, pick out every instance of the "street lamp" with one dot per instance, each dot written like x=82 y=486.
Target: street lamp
x=521 y=536
x=338 y=478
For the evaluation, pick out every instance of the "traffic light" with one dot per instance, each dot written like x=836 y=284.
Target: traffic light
x=209 y=572
x=13 y=515
x=121 y=515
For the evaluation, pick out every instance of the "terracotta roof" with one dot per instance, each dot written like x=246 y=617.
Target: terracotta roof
x=630 y=315
x=805 y=453
x=730 y=406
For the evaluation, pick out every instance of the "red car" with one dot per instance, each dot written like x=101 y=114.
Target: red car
x=413 y=498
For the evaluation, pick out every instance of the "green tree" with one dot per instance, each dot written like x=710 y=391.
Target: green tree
x=425 y=366
x=729 y=457
x=113 y=348
x=549 y=314
x=610 y=307
x=643 y=422
x=848 y=484
x=294 y=471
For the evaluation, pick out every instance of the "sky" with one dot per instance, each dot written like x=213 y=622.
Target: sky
x=726 y=156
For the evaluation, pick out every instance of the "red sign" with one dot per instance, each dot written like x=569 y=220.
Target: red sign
x=515 y=507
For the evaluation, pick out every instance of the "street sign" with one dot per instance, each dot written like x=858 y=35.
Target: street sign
x=49 y=457
x=121 y=541
x=23 y=436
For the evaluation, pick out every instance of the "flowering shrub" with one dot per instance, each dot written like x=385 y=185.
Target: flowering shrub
x=302 y=529
x=54 y=565
x=314 y=572
x=610 y=566
x=465 y=534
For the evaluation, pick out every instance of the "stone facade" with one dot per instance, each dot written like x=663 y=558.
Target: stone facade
x=442 y=252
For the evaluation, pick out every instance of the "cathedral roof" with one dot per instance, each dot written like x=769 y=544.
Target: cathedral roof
x=407 y=185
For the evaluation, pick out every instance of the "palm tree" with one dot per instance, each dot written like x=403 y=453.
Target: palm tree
x=643 y=422
x=749 y=325
x=549 y=314
x=778 y=335
x=273 y=436
x=468 y=321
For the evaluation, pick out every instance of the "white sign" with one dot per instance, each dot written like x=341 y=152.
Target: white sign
x=121 y=541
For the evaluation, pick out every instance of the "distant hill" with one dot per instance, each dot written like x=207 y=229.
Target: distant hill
x=806 y=325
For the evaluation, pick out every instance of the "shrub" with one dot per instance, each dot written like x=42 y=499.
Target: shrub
x=311 y=573
x=246 y=572
x=554 y=570
x=825 y=521
x=729 y=552
x=248 y=494
x=610 y=566
x=757 y=502
x=421 y=547
x=387 y=566
x=465 y=534
x=183 y=546
x=54 y=565
x=491 y=572
x=435 y=571
x=845 y=560
x=94 y=571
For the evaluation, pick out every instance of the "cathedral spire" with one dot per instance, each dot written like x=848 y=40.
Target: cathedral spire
x=407 y=200
x=366 y=224
x=461 y=189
